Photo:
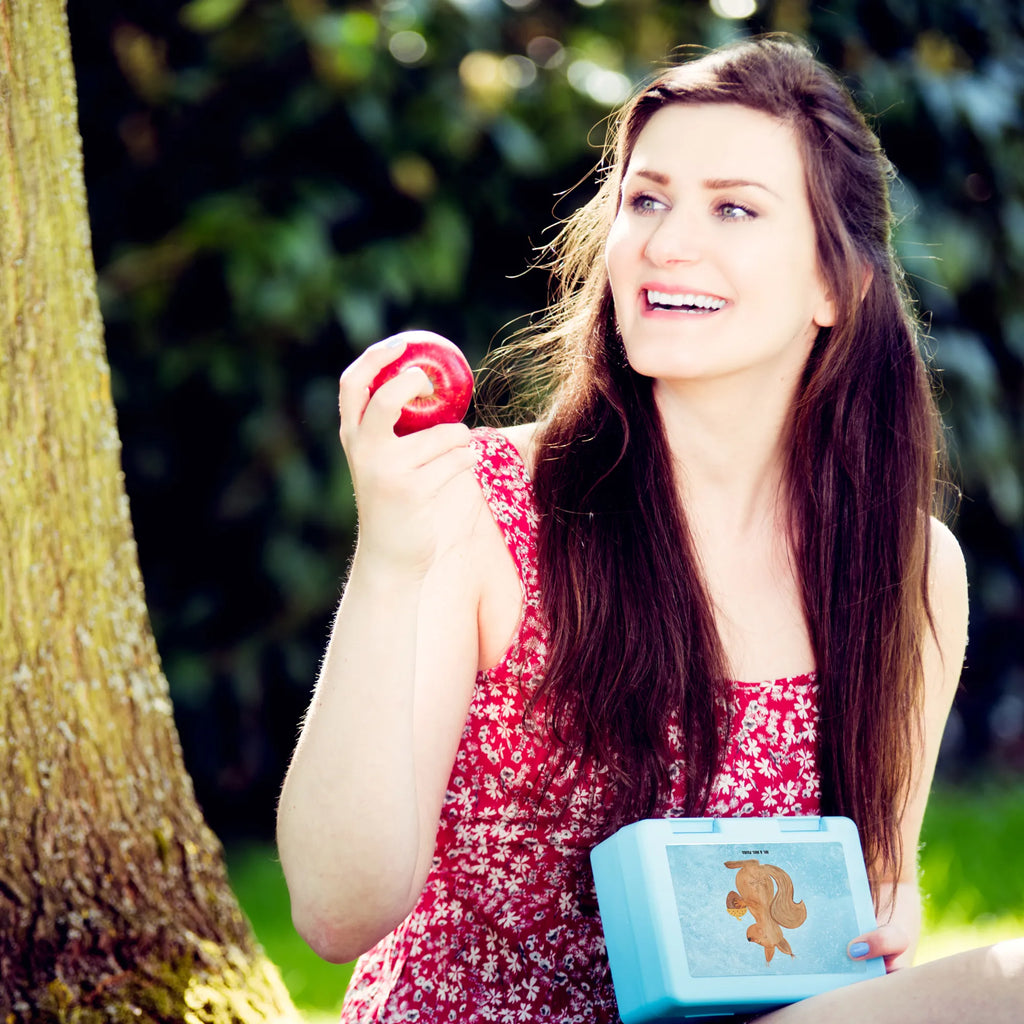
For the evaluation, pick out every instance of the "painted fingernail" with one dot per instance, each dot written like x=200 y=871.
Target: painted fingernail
x=413 y=369
x=859 y=949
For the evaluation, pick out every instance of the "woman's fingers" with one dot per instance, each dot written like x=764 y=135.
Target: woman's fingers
x=382 y=410
x=354 y=387
x=888 y=941
x=410 y=471
x=401 y=519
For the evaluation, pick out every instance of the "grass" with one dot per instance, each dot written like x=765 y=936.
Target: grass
x=973 y=840
x=973 y=847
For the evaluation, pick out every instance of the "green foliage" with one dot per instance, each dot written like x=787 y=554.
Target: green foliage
x=274 y=185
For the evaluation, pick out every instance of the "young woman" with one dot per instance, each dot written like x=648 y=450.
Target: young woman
x=705 y=581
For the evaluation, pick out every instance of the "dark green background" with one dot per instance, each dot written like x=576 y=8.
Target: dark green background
x=271 y=190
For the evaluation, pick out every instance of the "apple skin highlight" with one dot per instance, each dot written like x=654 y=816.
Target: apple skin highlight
x=449 y=374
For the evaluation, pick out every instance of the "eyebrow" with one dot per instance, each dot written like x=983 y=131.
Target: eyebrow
x=711 y=184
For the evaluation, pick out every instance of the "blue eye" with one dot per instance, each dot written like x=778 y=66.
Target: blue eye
x=643 y=203
x=733 y=211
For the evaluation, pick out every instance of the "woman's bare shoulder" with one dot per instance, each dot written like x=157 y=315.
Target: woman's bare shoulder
x=523 y=437
x=947 y=596
x=947 y=575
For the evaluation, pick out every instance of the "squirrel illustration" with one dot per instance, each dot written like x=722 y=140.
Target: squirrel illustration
x=767 y=892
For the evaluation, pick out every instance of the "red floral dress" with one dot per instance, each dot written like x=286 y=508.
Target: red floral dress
x=506 y=928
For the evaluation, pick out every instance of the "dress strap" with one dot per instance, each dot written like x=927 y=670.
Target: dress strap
x=505 y=482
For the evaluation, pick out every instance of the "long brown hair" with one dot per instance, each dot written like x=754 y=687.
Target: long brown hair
x=633 y=638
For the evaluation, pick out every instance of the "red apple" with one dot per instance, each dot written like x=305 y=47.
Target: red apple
x=449 y=373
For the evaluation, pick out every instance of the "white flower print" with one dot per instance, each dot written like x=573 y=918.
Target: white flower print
x=505 y=928
x=751 y=746
x=790 y=792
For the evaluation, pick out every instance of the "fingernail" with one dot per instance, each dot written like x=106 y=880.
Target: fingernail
x=858 y=950
x=413 y=368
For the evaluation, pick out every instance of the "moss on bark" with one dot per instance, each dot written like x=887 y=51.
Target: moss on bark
x=114 y=900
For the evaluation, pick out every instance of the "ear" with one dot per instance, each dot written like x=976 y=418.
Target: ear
x=866 y=280
x=825 y=314
x=825 y=311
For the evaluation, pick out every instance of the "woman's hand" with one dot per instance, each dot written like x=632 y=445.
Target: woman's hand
x=396 y=479
x=896 y=937
x=890 y=941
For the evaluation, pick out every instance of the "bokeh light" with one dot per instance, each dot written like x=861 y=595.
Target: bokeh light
x=408 y=47
x=734 y=8
x=602 y=85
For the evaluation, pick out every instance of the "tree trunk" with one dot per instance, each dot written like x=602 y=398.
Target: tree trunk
x=114 y=902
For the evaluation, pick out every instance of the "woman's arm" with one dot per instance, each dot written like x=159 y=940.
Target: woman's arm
x=361 y=801
x=943 y=654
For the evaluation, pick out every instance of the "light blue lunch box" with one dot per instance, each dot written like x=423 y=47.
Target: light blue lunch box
x=717 y=916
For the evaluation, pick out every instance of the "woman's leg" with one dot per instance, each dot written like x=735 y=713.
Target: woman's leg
x=981 y=986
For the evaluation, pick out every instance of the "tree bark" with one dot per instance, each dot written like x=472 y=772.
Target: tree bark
x=114 y=902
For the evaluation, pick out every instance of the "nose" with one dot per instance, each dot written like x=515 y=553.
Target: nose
x=676 y=238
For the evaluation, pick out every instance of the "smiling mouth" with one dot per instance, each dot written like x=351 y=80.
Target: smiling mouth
x=683 y=302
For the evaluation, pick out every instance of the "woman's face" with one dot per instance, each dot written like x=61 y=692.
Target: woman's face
x=712 y=257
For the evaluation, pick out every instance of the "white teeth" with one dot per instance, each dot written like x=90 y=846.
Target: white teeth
x=684 y=299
